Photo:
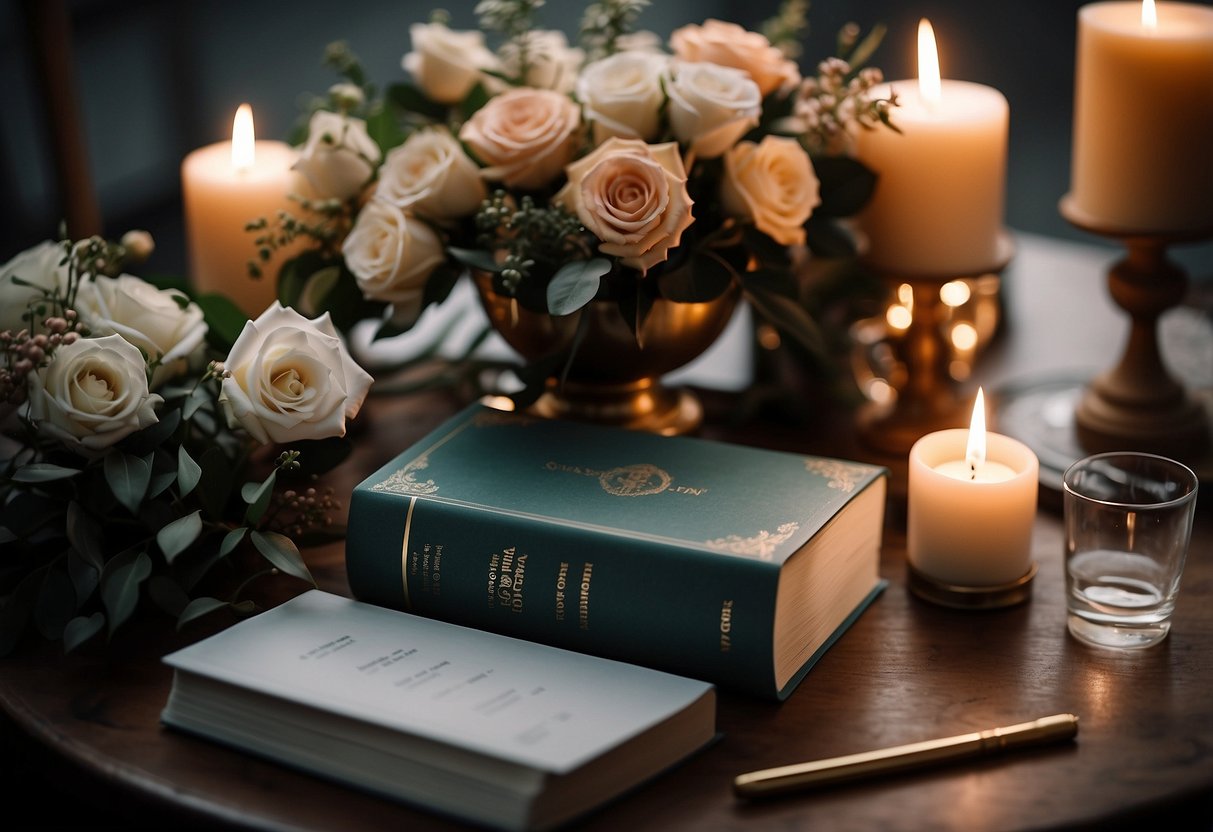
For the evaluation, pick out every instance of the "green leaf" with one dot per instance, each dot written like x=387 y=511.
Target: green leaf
x=160 y=482
x=476 y=98
x=84 y=535
x=120 y=582
x=411 y=99
x=43 y=472
x=27 y=512
x=56 y=603
x=382 y=127
x=80 y=630
x=188 y=471
x=703 y=279
x=84 y=577
x=198 y=397
x=789 y=317
x=231 y=540
x=224 y=319
x=440 y=282
x=215 y=484
x=826 y=239
x=177 y=536
x=575 y=284
x=846 y=185
x=295 y=272
x=475 y=258
x=128 y=477
x=257 y=495
x=198 y=608
x=281 y=551
x=147 y=440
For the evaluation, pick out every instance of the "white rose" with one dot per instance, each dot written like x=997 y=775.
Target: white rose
x=711 y=107
x=773 y=184
x=92 y=394
x=339 y=156
x=152 y=319
x=392 y=255
x=642 y=40
x=430 y=175
x=39 y=266
x=552 y=63
x=622 y=95
x=446 y=64
x=291 y=379
x=524 y=136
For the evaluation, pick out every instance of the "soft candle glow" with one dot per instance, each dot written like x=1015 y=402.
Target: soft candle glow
x=938 y=205
x=930 y=86
x=1149 y=14
x=244 y=145
x=971 y=505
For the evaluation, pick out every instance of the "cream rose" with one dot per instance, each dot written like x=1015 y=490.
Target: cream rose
x=446 y=64
x=392 y=255
x=728 y=44
x=339 y=157
x=430 y=175
x=152 y=319
x=633 y=197
x=773 y=184
x=38 y=266
x=622 y=95
x=711 y=107
x=291 y=379
x=552 y=63
x=92 y=394
x=524 y=136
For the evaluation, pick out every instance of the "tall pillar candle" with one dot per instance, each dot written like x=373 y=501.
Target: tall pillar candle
x=938 y=207
x=222 y=193
x=1142 y=153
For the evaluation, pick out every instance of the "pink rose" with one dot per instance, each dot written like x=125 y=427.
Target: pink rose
x=773 y=184
x=524 y=136
x=633 y=197
x=728 y=44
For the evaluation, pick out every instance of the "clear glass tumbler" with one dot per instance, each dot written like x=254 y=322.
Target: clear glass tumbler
x=1128 y=520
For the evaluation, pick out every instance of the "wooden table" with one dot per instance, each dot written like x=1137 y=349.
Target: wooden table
x=906 y=671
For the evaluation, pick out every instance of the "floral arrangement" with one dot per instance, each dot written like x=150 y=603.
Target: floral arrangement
x=147 y=457
x=612 y=171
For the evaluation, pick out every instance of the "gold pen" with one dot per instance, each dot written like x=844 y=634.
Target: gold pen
x=784 y=779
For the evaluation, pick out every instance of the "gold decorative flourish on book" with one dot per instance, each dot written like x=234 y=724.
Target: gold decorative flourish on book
x=404 y=481
x=761 y=545
x=841 y=476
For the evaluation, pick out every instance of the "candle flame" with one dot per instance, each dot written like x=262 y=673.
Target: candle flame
x=975 y=451
x=243 y=143
x=929 y=85
x=1149 y=15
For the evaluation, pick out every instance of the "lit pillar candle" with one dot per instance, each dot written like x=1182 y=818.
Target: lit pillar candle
x=971 y=505
x=939 y=201
x=1142 y=153
x=224 y=186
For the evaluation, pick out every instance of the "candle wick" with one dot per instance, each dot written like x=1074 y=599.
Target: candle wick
x=972 y=470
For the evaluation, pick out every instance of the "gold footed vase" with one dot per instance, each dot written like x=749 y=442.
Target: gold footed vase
x=615 y=380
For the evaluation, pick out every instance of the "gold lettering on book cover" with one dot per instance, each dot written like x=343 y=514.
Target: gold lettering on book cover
x=507 y=574
x=840 y=476
x=761 y=545
x=404 y=481
x=726 y=625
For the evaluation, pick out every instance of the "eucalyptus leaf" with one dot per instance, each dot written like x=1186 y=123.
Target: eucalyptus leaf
x=197 y=398
x=177 y=536
x=84 y=577
x=151 y=437
x=411 y=99
x=475 y=258
x=80 y=629
x=128 y=477
x=382 y=127
x=257 y=495
x=281 y=551
x=84 y=535
x=198 y=608
x=42 y=472
x=188 y=471
x=575 y=284
x=231 y=540
x=120 y=582
x=215 y=483
x=160 y=482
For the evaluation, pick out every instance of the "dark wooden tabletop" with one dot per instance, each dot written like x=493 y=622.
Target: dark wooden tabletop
x=906 y=671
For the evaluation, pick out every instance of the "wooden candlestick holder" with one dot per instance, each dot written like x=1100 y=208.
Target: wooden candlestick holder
x=1137 y=404
x=927 y=397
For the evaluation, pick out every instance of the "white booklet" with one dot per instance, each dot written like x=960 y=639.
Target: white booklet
x=500 y=731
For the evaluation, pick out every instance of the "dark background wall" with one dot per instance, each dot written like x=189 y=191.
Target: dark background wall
x=156 y=79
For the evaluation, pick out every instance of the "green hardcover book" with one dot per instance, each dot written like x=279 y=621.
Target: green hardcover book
x=721 y=562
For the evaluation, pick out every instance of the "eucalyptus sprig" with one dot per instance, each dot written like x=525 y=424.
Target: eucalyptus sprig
x=605 y=22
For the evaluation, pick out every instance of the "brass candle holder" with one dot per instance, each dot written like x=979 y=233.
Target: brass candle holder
x=1137 y=404
x=926 y=355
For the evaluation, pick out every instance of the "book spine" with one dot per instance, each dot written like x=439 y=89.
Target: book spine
x=679 y=609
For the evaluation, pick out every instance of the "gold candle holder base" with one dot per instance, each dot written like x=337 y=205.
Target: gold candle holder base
x=1138 y=405
x=970 y=597
x=926 y=396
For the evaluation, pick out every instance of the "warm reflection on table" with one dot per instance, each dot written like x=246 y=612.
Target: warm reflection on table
x=906 y=671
